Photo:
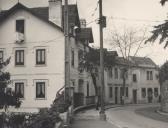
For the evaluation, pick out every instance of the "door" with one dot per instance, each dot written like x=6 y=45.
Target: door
x=150 y=97
x=116 y=95
x=135 y=96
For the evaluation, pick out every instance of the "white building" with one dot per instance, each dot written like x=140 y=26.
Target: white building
x=34 y=39
x=142 y=84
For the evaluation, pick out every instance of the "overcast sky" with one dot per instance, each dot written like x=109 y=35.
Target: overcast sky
x=120 y=14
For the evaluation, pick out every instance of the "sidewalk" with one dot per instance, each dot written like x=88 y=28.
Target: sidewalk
x=90 y=119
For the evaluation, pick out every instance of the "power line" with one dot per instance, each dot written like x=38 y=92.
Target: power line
x=136 y=20
x=92 y=21
x=95 y=9
x=126 y=19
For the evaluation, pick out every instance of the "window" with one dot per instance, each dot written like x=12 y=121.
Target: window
x=1 y=56
x=126 y=93
x=121 y=91
x=80 y=56
x=149 y=75
x=20 y=26
x=40 y=56
x=121 y=74
x=156 y=92
x=110 y=92
x=116 y=73
x=87 y=88
x=134 y=78
x=110 y=72
x=19 y=90
x=72 y=58
x=19 y=57
x=143 y=92
x=40 y=89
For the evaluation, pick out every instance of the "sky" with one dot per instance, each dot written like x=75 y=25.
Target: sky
x=134 y=14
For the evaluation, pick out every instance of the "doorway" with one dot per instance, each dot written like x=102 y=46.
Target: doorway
x=135 y=96
x=116 y=95
x=150 y=97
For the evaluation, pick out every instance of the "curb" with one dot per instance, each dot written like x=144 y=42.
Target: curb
x=81 y=108
x=162 y=113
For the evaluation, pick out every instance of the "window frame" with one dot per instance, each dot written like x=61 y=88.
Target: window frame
x=2 y=58
x=20 y=84
x=36 y=89
x=156 y=93
x=39 y=51
x=149 y=75
x=116 y=75
x=126 y=92
x=110 y=73
x=134 y=78
x=143 y=92
x=21 y=24
x=72 y=58
x=110 y=92
x=18 y=52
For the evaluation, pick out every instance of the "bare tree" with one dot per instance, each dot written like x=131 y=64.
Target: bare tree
x=127 y=43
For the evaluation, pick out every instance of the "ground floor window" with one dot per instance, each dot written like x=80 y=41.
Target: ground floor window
x=110 y=92
x=40 y=89
x=19 y=89
x=126 y=91
x=156 y=93
x=143 y=92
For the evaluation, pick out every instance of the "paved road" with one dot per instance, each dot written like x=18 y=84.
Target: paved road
x=125 y=117
x=90 y=119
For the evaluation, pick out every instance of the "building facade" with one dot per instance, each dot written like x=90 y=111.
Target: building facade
x=34 y=39
x=142 y=84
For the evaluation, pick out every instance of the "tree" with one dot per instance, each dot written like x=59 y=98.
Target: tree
x=91 y=63
x=127 y=43
x=160 y=31
x=163 y=77
x=7 y=97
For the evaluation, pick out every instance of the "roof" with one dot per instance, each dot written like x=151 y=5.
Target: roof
x=41 y=13
x=142 y=61
x=136 y=62
x=85 y=33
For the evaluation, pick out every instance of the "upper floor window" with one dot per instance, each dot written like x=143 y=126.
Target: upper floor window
x=1 y=56
x=19 y=89
x=19 y=57
x=116 y=73
x=40 y=56
x=134 y=78
x=20 y=26
x=149 y=75
x=72 y=58
x=80 y=56
x=110 y=72
x=40 y=89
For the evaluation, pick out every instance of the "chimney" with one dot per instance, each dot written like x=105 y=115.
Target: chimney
x=83 y=23
x=55 y=12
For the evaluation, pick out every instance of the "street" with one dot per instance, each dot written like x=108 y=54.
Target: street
x=125 y=117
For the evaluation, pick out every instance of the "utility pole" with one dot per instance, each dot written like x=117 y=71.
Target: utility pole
x=102 y=24
x=67 y=62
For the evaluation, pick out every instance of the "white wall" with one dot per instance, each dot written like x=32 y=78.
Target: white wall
x=38 y=34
